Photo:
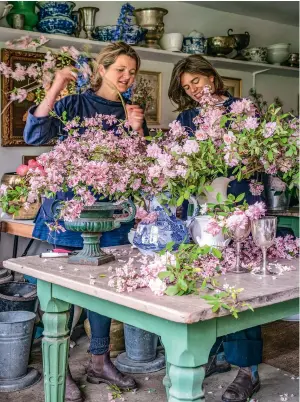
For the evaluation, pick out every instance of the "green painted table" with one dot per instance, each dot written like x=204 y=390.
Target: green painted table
x=288 y=219
x=187 y=326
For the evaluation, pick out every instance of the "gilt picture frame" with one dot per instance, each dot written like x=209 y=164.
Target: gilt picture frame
x=233 y=86
x=14 y=114
x=153 y=109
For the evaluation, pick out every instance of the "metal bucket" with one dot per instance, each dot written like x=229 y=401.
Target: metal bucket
x=276 y=200
x=140 y=345
x=17 y=296
x=16 y=328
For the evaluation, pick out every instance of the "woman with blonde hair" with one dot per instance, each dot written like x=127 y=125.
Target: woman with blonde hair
x=115 y=70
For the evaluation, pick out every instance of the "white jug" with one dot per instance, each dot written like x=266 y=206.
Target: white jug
x=219 y=185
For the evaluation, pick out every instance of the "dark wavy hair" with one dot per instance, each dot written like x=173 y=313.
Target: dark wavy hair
x=194 y=64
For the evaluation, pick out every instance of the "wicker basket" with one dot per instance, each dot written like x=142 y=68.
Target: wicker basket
x=30 y=213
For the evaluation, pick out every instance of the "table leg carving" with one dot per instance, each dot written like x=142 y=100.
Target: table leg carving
x=186 y=384
x=187 y=349
x=55 y=344
x=167 y=380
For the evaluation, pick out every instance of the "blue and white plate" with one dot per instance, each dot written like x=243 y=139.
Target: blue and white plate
x=57 y=25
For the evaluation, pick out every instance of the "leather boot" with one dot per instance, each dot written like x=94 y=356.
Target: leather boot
x=101 y=369
x=214 y=366
x=73 y=393
x=242 y=387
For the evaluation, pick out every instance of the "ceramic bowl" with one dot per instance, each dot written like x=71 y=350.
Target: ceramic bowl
x=57 y=25
x=172 y=42
x=279 y=46
x=257 y=54
x=133 y=35
x=104 y=33
x=277 y=55
x=51 y=8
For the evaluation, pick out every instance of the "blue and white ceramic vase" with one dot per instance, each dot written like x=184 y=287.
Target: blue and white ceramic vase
x=153 y=237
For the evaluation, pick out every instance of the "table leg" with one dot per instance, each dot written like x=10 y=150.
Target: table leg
x=27 y=248
x=55 y=343
x=15 y=248
x=187 y=350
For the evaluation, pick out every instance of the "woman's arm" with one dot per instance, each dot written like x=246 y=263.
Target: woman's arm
x=40 y=127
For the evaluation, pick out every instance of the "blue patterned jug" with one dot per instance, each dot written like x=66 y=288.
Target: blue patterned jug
x=153 y=237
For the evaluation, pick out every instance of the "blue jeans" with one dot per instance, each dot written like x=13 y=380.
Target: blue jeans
x=100 y=328
x=242 y=348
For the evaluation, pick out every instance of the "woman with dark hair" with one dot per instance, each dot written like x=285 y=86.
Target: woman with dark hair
x=114 y=72
x=243 y=348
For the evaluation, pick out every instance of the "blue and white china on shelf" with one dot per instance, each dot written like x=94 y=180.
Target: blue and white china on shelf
x=55 y=17
x=51 y=8
x=153 y=237
x=256 y=54
x=194 y=43
x=57 y=25
x=132 y=35
x=104 y=33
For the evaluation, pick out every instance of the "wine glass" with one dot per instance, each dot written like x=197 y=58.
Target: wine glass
x=264 y=233
x=238 y=235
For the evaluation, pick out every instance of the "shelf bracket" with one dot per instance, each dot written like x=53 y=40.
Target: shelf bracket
x=255 y=74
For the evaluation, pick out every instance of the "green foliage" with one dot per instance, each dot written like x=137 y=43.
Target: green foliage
x=185 y=275
x=14 y=197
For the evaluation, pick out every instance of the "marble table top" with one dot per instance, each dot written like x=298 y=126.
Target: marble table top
x=258 y=291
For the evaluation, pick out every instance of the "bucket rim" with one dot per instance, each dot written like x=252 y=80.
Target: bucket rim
x=30 y=317
x=17 y=298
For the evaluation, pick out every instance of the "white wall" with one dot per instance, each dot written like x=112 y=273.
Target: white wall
x=184 y=18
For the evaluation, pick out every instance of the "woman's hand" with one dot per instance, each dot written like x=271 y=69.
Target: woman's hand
x=62 y=79
x=135 y=117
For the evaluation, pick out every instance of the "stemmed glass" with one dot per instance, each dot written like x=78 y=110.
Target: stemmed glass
x=264 y=233
x=238 y=235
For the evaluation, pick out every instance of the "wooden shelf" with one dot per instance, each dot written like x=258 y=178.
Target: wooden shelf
x=56 y=41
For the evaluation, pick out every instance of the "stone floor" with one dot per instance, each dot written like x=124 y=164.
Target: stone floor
x=275 y=383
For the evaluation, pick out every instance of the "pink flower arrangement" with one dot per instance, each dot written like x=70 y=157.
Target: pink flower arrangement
x=256 y=187
x=228 y=215
x=239 y=138
x=39 y=76
x=99 y=163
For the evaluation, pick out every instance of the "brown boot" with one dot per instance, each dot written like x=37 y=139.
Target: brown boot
x=214 y=366
x=101 y=369
x=242 y=387
x=73 y=393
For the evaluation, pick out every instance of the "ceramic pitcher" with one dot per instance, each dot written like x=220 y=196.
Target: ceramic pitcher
x=153 y=237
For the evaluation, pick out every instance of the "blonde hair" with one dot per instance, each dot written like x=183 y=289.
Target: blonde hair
x=108 y=56
x=194 y=64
